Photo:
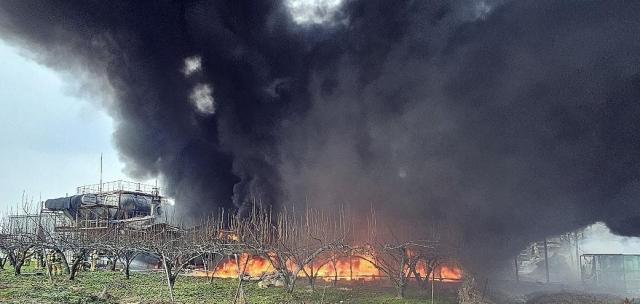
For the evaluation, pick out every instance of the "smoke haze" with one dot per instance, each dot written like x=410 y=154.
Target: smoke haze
x=512 y=120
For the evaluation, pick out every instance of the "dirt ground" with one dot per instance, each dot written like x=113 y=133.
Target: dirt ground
x=536 y=293
x=572 y=298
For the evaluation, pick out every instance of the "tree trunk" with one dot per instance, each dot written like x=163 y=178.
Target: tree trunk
x=77 y=263
x=74 y=269
x=65 y=263
x=431 y=266
x=18 y=267
x=351 y=267
x=413 y=271
x=113 y=264
x=401 y=288
x=335 y=271
x=215 y=267
x=12 y=259
x=417 y=276
x=72 y=273
x=401 y=278
x=170 y=278
x=49 y=268
x=126 y=269
x=291 y=281
x=312 y=282
x=312 y=278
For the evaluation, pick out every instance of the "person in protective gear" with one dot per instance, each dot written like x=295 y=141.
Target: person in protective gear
x=94 y=260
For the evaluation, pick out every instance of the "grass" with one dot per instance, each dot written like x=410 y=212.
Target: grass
x=151 y=288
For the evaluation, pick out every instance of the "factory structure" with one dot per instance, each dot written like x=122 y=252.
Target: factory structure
x=104 y=205
x=94 y=209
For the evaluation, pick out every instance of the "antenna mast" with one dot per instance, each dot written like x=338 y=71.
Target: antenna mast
x=100 y=187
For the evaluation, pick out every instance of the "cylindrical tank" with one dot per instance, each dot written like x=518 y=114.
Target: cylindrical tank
x=132 y=205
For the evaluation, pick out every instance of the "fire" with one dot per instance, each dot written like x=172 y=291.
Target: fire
x=255 y=267
x=346 y=268
x=451 y=273
x=443 y=272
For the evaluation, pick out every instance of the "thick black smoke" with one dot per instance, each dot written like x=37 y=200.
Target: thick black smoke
x=512 y=120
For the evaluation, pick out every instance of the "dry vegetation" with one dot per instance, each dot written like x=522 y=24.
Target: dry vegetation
x=296 y=245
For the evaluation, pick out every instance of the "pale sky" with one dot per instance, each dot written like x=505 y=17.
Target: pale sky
x=50 y=138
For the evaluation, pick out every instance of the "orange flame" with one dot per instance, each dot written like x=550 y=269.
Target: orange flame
x=255 y=267
x=443 y=272
x=346 y=268
x=449 y=273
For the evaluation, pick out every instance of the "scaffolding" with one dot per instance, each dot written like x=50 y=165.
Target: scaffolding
x=119 y=186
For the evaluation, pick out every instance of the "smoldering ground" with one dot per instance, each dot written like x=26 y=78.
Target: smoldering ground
x=512 y=120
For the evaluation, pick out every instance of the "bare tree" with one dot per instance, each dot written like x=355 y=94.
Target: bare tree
x=426 y=260
x=4 y=241
x=215 y=238
x=124 y=245
x=174 y=247
x=112 y=261
x=292 y=243
x=332 y=257
x=20 y=239
x=320 y=236
x=393 y=250
x=253 y=236
x=20 y=247
x=79 y=243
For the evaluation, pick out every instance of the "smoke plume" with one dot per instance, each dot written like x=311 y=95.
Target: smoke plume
x=512 y=120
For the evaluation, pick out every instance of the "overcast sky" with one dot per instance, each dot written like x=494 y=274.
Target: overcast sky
x=50 y=138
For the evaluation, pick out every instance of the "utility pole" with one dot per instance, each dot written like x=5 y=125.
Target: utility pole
x=575 y=235
x=433 y=282
x=546 y=259
x=517 y=270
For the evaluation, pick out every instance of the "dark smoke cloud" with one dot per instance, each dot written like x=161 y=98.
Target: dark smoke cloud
x=512 y=120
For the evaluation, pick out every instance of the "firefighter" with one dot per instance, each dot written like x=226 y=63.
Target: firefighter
x=56 y=263
x=48 y=261
x=94 y=260
x=36 y=258
x=51 y=260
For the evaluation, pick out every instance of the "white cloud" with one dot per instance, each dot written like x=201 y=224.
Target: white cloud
x=191 y=65
x=481 y=9
x=202 y=98
x=313 y=11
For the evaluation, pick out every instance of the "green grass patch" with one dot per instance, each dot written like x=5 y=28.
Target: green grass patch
x=151 y=288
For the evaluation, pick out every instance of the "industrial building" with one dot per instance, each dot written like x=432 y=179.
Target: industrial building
x=102 y=206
